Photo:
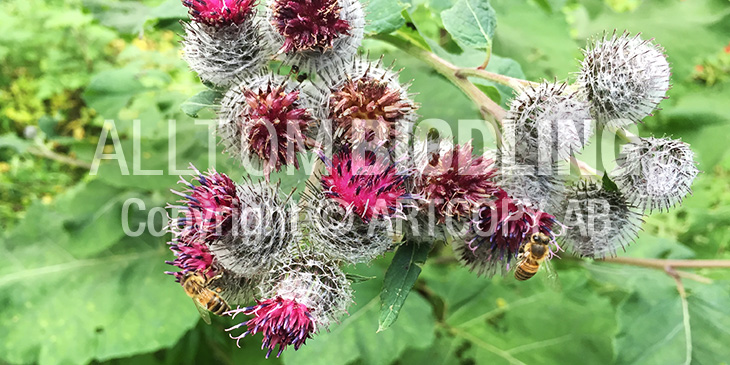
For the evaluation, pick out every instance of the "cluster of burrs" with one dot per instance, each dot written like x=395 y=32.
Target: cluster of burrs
x=375 y=183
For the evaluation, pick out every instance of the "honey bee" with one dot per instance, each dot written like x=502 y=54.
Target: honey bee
x=532 y=253
x=197 y=287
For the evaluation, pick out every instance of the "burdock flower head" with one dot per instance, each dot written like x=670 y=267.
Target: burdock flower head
x=455 y=182
x=366 y=183
x=349 y=214
x=207 y=210
x=304 y=294
x=624 y=78
x=220 y=12
x=266 y=121
x=262 y=230
x=547 y=122
x=496 y=234
x=369 y=103
x=655 y=173
x=599 y=221
x=222 y=44
x=316 y=33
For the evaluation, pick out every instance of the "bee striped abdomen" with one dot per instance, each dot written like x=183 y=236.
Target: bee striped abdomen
x=526 y=270
x=217 y=305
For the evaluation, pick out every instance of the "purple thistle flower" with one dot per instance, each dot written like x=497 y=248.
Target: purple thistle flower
x=456 y=182
x=308 y=24
x=283 y=322
x=496 y=234
x=305 y=292
x=362 y=183
x=268 y=120
x=220 y=12
x=207 y=213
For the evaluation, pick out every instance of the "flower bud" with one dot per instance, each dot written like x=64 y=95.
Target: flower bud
x=456 y=182
x=263 y=229
x=599 y=221
x=220 y=12
x=341 y=233
x=209 y=212
x=655 y=173
x=624 y=78
x=366 y=183
x=547 y=122
x=535 y=183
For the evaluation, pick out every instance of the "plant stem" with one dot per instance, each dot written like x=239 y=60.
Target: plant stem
x=663 y=264
x=47 y=153
x=627 y=136
x=515 y=83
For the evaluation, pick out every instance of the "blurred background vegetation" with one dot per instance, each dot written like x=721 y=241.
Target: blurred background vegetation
x=75 y=289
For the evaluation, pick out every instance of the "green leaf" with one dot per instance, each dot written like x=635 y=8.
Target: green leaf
x=59 y=308
x=200 y=101
x=653 y=328
x=355 y=338
x=126 y=16
x=399 y=280
x=504 y=321
x=94 y=217
x=384 y=16
x=110 y=91
x=411 y=33
x=471 y=23
x=608 y=184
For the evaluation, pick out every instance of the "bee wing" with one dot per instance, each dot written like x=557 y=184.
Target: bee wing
x=551 y=276
x=203 y=311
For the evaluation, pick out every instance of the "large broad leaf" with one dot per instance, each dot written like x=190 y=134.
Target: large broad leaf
x=653 y=327
x=60 y=308
x=384 y=16
x=471 y=23
x=399 y=279
x=502 y=321
x=356 y=338
x=93 y=217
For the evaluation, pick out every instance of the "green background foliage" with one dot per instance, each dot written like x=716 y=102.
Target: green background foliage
x=74 y=288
